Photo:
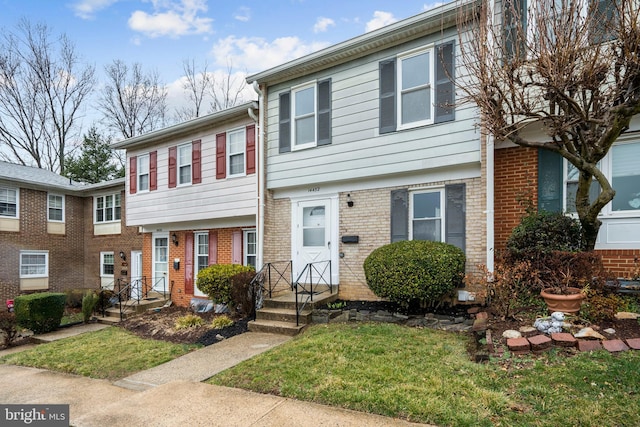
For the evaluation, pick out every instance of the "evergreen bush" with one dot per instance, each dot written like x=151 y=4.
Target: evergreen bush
x=215 y=281
x=40 y=312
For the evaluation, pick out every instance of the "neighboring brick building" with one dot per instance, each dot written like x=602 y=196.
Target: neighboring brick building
x=57 y=235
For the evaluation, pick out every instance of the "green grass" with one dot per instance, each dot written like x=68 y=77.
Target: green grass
x=426 y=376
x=111 y=353
x=71 y=318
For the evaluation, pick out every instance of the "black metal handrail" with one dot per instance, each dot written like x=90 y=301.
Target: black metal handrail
x=320 y=269
x=123 y=292
x=271 y=278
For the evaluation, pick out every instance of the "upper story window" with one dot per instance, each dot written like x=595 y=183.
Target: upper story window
x=143 y=173
x=107 y=208
x=236 y=152
x=184 y=164
x=34 y=264
x=416 y=88
x=236 y=146
x=9 y=202
x=55 y=207
x=305 y=116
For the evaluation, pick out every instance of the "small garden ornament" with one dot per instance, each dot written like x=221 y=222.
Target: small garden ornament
x=550 y=325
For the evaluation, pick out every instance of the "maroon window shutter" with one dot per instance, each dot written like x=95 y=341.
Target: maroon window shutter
x=153 y=170
x=188 y=263
x=196 y=164
x=173 y=166
x=236 y=247
x=213 y=247
x=133 y=174
x=221 y=154
x=251 y=149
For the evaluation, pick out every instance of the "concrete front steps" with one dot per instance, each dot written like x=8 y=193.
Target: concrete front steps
x=278 y=314
x=133 y=307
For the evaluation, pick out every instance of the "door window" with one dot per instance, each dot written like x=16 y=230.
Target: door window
x=313 y=225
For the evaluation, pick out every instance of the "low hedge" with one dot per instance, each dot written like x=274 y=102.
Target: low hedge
x=215 y=280
x=40 y=312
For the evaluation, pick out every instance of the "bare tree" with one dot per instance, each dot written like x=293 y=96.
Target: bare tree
x=226 y=89
x=197 y=85
x=565 y=79
x=43 y=85
x=132 y=102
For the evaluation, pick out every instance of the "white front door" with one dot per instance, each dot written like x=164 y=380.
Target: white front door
x=160 y=270
x=136 y=274
x=313 y=240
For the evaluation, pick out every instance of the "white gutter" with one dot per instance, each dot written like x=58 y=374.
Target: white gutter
x=490 y=160
x=261 y=175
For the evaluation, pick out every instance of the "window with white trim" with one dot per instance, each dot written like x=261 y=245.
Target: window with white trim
x=184 y=164
x=250 y=248
x=55 y=208
x=415 y=88
x=9 y=202
x=107 y=264
x=34 y=264
x=143 y=173
x=427 y=215
x=304 y=116
x=201 y=242
x=107 y=208
x=236 y=144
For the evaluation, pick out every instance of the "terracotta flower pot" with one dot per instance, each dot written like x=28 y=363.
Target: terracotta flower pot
x=567 y=303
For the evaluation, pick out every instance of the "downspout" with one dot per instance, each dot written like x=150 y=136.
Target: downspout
x=490 y=160
x=260 y=174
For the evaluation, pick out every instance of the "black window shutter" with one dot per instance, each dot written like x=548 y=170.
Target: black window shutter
x=324 y=112
x=445 y=90
x=388 y=96
x=399 y=215
x=285 y=122
x=455 y=215
x=549 y=181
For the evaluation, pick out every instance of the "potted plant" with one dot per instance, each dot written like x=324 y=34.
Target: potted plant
x=566 y=295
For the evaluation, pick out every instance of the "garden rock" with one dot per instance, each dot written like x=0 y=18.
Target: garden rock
x=510 y=333
x=588 y=333
x=550 y=325
x=626 y=315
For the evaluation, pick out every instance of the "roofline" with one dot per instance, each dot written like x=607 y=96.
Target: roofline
x=185 y=127
x=441 y=17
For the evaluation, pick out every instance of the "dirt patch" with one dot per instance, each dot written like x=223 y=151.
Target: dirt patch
x=161 y=326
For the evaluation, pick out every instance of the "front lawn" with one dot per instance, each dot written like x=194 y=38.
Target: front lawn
x=426 y=376
x=111 y=353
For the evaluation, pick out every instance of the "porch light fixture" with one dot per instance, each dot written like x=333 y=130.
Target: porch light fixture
x=174 y=239
x=349 y=201
x=123 y=256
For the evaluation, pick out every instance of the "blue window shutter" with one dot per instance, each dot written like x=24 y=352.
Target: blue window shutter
x=399 y=215
x=324 y=112
x=549 y=181
x=445 y=90
x=455 y=215
x=285 y=123
x=387 y=96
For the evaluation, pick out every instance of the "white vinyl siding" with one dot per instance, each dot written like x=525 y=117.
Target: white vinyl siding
x=9 y=198
x=34 y=264
x=184 y=164
x=236 y=144
x=55 y=208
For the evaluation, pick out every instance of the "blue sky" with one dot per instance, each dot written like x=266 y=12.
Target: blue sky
x=252 y=35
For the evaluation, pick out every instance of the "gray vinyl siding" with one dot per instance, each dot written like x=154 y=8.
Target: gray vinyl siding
x=357 y=150
x=213 y=199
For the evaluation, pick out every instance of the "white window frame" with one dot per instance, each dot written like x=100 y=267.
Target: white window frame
x=245 y=247
x=189 y=163
x=114 y=208
x=243 y=131
x=441 y=192
x=34 y=275
x=143 y=161
x=606 y=166
x=429 y=49
x=4 y=198
x=103 y=264
x=197 y=254
x=49 y=207
x=294 y=90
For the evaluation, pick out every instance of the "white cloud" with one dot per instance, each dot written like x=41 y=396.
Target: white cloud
x=243 y=14
x=255 y=53
x=322 y=24
x=379 y=20
x=428 y=6
x=171 y=18
x=86 y=9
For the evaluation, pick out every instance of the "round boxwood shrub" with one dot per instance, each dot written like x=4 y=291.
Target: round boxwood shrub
x=215 y=280
x=412 y=270
x=543 y=233
x=40 y=312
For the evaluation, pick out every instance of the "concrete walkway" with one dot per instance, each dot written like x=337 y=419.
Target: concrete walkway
x=171 y=394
